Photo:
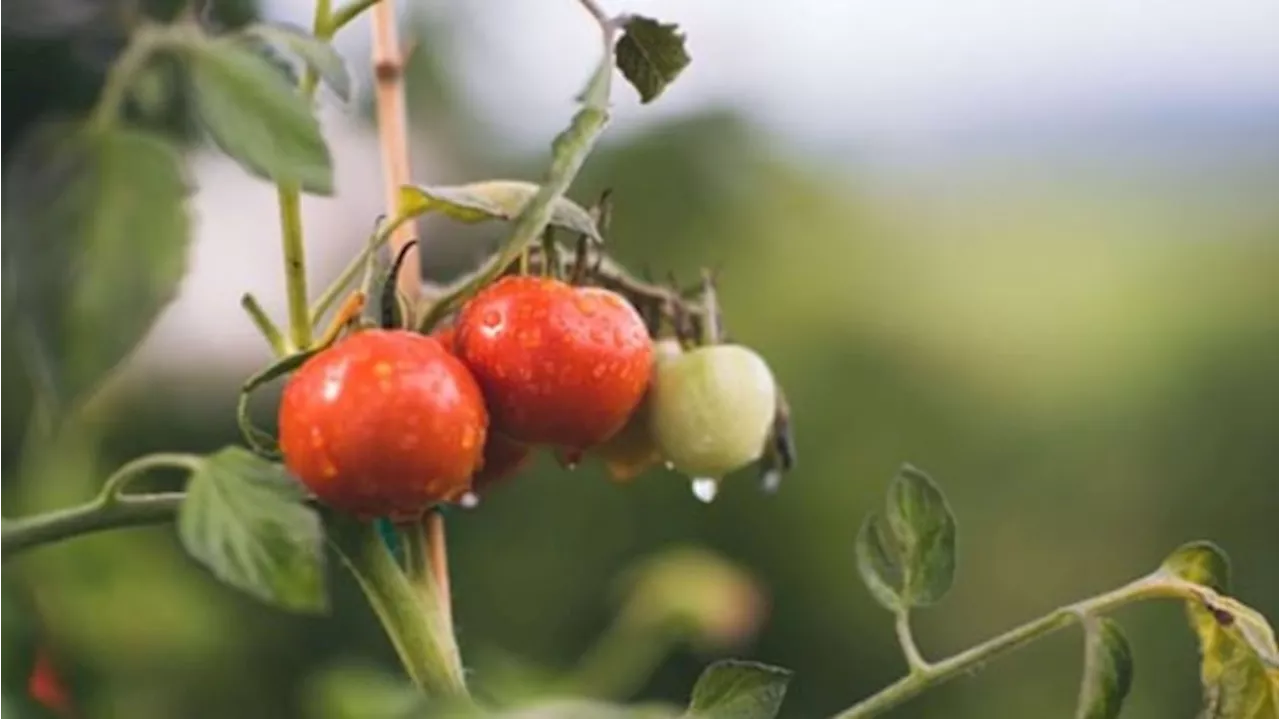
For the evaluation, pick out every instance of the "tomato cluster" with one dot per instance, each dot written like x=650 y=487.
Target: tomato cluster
x=389 y=422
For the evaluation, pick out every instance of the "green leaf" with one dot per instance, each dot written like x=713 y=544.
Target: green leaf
x=877 y=564
x=96 y=248
x=246 y=520
x=492 y=200
x=316 y=53
x=650 y=55
x=1108 y=670
x=1200 y=562
x=258 y=119
x=907 y=556
x=738 y=690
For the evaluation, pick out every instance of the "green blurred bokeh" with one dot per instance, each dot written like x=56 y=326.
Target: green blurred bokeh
x=1082 y=359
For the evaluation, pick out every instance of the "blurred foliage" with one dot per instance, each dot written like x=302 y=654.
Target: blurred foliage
x=1085 y=363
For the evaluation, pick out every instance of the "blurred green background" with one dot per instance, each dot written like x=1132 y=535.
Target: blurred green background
x=1077 y=343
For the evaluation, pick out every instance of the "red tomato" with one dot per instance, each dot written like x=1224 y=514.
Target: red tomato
x=46 y=687
x=559 y=365
x=503 y=459
x=384 y=423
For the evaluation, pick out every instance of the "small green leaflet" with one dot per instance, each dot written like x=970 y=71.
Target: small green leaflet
x=492 y=200
x=316 y=53
x=650 y=55
x=907 y=554
x=1108 y=670
x=734 y=689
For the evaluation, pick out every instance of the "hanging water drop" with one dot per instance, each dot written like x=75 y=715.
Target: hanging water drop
x=705 y=489
x=771 y=480
x=470 y=500
x=669 y=465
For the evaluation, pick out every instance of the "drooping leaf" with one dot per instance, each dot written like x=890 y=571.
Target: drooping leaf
x=1238 y=652
x=734 y=689
x=1237 y=662
x=96 y=248
x=1201 y=562
x=1108 y=670
x=907 y=556
x=258 y=119
x=651 y=55
x=492 y=200
x=316 y=53
x=246 y=520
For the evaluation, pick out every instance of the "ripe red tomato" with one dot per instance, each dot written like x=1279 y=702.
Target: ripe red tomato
x=503 y=459
x=559 y=365
x=384 y=423
x=46 y=686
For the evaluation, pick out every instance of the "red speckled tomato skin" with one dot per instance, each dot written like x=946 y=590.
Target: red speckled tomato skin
x=384 y=423
x=559 y=365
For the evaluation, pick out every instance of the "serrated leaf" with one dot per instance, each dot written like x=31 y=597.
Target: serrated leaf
x=254 y=115
x=907 y=557
x=316 y=53
x=738 y=690
x=246 y=520
x=96 y=248
x=1201 y=562
x=1108 y=670
x=651 y=55
x=492 y=200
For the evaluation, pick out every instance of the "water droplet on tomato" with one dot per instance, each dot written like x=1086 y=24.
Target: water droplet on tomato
x=705 y=489
x=470 y=500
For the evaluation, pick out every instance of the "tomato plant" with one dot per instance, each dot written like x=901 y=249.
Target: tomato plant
x=551 y=343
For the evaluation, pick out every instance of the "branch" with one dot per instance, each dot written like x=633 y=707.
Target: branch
x=131 y=511
x=928 y=676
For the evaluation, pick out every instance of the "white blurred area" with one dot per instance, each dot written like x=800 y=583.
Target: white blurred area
x=887 y=76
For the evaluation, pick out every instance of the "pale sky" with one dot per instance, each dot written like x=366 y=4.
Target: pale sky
x=878 y=69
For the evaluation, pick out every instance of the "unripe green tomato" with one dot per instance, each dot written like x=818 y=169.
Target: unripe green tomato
x=632 y=450
x=710 y=409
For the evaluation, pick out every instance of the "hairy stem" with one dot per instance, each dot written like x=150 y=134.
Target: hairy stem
x=927 y=676
x=414 y=624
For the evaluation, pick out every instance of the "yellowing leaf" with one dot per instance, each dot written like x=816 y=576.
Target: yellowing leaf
x=492 y=200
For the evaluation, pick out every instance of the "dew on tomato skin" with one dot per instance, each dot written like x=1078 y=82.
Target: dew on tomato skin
x=470 y=500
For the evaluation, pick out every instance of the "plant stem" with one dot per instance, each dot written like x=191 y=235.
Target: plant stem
x=295 y=267
x=146 y=40
x=414 y=624
x=345 y=14
x=902 y=626
x=263 y=322
x=23 y=534
x=111 y=508
x=931 y=675
x=290 y=199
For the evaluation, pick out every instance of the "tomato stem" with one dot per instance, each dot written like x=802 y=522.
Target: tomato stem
x=925 y=675
x=415 y=621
